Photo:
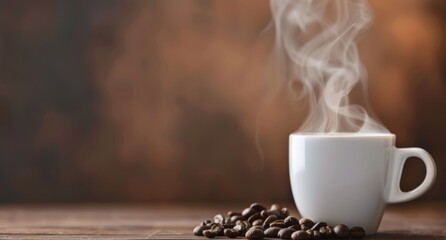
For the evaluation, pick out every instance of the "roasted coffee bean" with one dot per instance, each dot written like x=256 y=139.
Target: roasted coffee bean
x=304 y=227
x=300 y=235
x=295 y=227
x=248 y=212
x=326 y=232
x=254 y=233
x=285 y=233
x=276 y=207
x=272 y=232
x=357 y=232
x=231 y=233
x=235 y=218
x=341 y=231
x=330 y=231
x=307 y=222
x=209 y=234
x=219 y=218
x=318 y=225
x=257 y=207
x=218 y=229
x=231 y=213
x=258 y=222
x=229 y=225
x=244 y=223
x=277 y=223
x=258 y=227
x=310 y=233
x=323 y=231
x=264 y=214
x=269 y=220
x=267 y=213
x=254 y=217
x=215 y=224
x=284 y=213
x=241 y=229
x=289 y=221
x=198 y=230
x=206 y=222
x=317 y=234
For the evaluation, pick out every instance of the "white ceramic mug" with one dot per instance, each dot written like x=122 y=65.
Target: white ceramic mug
x=349 y=178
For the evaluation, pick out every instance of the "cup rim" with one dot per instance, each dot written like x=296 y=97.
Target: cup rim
x=341 y=134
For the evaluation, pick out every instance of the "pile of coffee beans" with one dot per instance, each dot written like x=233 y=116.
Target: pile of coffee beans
x=258 y=222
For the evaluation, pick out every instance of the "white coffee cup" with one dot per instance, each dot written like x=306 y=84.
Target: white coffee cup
x=349 y=177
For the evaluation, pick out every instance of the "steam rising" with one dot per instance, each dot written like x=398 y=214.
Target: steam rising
x=315 y=45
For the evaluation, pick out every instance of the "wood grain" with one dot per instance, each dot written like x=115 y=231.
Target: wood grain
x=161 y=221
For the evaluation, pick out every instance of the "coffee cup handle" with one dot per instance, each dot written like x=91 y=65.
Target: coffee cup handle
x=400 y=155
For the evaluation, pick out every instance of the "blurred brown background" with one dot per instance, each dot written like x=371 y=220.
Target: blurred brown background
x=160 y=100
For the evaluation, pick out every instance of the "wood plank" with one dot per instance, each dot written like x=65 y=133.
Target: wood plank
x=404 y=221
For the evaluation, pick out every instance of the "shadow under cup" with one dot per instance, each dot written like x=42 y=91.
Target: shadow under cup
x=349 y=178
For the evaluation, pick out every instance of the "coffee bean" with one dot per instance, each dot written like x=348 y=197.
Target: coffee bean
x=206 y=222
x=276 y=207
x=323 y=231
x=258 y=222
x=254 y=233
x=330 y=231
x=285 y=233
x=304 y=227
x=272 y=232
x=318 y=225
x=269 y=220
x=310 y=233
x=248 y=212
x=257 y=207
x=241 y=229
x=357 y=232
x=277 y=223
x=317 y=234
x=267 y=213
x=264 y=214
x=284 y=213
x=218 y=229
x=258 y=227
x=295 y=227
x=254 y=217
x=219 y=218
x=229 y=225
x=216 y=224
x=341 y=231
x=243 y=222
x=307 y=222
x=289 y=221
x=231 y=233
x=235 y=218
x=326 y=232
x=300 y=235
x=209 y=234
x=198 y=230
x=231 y=213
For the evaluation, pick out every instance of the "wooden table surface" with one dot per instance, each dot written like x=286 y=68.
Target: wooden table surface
x=403 y=221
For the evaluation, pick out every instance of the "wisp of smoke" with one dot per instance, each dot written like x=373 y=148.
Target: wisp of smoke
x=316 y=49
